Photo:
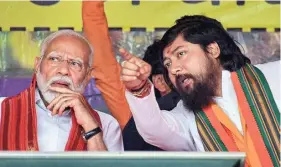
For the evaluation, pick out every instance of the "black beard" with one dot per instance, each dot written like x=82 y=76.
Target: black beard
x=202 y=92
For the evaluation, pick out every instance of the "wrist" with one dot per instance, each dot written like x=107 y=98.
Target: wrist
x=143 y=91
x=89 y=126
x=139 y=87
x=90 y=134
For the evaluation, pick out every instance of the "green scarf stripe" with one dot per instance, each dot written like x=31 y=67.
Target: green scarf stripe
x=255 y=110
x=210 y=136
x=248 y=92
x=206 y=146
x=212 y=132
x=268 y=94
x=259 y=106
x=273 y=120
x=264 y=97
x=274 y=148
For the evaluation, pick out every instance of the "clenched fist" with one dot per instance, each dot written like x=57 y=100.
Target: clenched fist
x=135 y=71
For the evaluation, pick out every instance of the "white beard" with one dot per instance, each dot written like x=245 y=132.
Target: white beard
x=49 y=95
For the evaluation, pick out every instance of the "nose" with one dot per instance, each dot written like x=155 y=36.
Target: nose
x=176 y=68
x=63 y=69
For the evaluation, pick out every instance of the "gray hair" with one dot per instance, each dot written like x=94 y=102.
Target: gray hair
x=70 y=33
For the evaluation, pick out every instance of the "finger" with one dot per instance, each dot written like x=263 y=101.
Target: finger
x=125 y=54
x=145 y=72
x=129 y=72
x=53 y=102
x=123 y=63
x=61 y=90
x=145 y=69
x=58 y=105
x=128 y=78
x=140 y=63
x=130 y=66
x=144 y=76
x=63 y=107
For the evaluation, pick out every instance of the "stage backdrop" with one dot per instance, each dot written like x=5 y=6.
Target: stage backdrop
x=244 y=14
x=134 y=25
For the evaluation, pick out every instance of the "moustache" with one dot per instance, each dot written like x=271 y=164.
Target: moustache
x=61 y=80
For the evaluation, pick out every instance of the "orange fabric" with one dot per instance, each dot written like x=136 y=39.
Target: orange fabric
x=244 y=143
x=225 y=120
x=252 y=127
x=227 y=140
x=252 y=157
x=106 y=68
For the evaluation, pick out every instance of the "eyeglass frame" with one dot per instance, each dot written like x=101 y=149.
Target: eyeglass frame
x=61 y=60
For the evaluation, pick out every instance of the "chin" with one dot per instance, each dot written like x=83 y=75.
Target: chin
x=49 y=96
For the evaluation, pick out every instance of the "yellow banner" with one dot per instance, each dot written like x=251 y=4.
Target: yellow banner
x=140 y=14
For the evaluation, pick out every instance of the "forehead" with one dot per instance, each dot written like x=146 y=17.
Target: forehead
x=177 y=43
x=69 y=45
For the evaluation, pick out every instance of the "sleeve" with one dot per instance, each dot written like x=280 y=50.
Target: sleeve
x=112 y=135
x=106 y=68
x=166 y=130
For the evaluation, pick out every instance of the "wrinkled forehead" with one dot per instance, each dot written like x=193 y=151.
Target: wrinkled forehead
x=69 y=46
x=64 y=55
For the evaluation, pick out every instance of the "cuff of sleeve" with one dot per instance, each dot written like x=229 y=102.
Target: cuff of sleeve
x=146 y=91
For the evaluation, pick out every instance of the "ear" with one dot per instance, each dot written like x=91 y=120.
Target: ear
x=214 y=50
x=37 y=63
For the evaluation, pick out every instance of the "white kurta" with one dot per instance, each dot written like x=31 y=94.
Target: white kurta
x=53 y=131
x=176 y=130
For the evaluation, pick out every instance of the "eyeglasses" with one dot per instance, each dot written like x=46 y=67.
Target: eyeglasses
x=75 y=65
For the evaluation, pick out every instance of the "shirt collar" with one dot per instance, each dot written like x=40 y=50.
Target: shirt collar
x=225 y=84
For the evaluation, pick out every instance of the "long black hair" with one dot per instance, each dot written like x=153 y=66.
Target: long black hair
x=198 y=29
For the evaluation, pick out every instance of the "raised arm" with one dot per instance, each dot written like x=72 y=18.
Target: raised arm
x=106 y=68
x=167 y=130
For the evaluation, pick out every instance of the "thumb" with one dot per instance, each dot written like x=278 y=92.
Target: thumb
x=125 y=54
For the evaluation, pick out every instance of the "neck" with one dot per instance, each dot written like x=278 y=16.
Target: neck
x=219 y=83
x=44 y=101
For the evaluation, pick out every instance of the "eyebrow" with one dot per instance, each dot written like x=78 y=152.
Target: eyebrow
x=65 y=54
x=51 y=53
x=177 y=48
x=78 y=59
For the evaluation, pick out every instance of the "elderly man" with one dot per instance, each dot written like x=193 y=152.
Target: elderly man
x=52 y=114
x=227 y=103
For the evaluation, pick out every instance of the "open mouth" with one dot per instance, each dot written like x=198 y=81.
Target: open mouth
x=185 y=81
x=60 y=84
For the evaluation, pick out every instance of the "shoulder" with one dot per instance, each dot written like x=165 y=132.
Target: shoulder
x=1 y=100
x=112 y=134
x=269 y=67
x=271 y=72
